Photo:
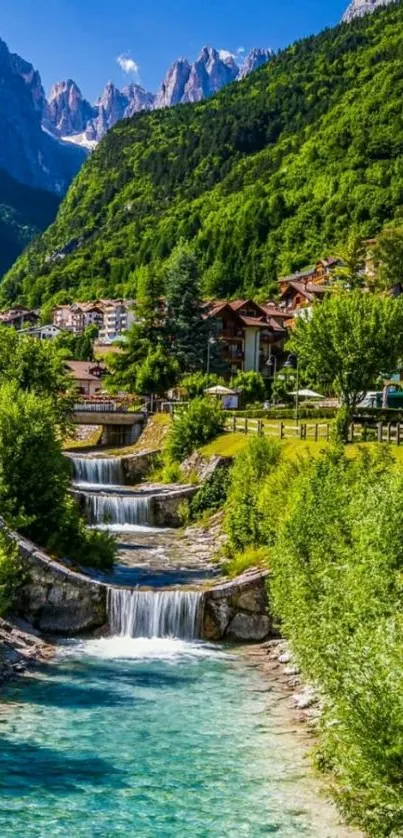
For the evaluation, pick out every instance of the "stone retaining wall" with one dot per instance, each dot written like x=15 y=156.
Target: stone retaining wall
x=136 y=467
x=55 y=599
x=239 y=610
x=166 y=507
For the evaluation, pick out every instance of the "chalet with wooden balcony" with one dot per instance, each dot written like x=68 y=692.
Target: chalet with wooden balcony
x=249 y=333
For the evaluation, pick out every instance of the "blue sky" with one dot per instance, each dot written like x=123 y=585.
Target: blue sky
x=81 y=39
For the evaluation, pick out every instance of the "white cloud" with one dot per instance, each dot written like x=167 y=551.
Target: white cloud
x=225 y=55
x=240 y=50
x=128 y=65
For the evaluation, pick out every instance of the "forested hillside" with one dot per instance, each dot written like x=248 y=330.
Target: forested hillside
x=264 y=178
x=24 y=213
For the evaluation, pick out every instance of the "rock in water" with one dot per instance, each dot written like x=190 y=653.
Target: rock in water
x=359 y=8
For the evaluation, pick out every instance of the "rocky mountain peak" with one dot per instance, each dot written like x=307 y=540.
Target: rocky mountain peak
x=255 y=59
x=173 y=87
x=67 y=112
x=359 y=8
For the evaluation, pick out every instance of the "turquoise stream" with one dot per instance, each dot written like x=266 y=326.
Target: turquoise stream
x=156 y=739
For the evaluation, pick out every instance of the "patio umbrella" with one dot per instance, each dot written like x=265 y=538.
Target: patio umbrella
x=307 y=394
x=219 y=390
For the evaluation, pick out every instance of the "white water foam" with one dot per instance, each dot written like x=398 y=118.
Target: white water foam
x=144 y=649
x=118 y=510
x=106 y=471
x=155 y=614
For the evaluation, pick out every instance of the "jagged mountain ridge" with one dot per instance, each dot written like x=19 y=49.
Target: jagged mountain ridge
x=68 y=115
x=359 y=8
x=27 y=152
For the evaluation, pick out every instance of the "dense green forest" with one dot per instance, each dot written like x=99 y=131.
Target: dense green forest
x=24 y=213
x=264 y=178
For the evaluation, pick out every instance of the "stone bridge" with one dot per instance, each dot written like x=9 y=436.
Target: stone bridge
x=120 y=425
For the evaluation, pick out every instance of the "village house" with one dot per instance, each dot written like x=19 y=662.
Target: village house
x=19 y=317
x=301 y=290
x=249 y=334
x=47 y=332
x=87 y=376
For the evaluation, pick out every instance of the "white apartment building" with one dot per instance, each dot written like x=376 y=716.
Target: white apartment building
x=112 y=318
x=118 y=317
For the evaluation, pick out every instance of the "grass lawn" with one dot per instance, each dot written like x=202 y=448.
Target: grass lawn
x=229 y=445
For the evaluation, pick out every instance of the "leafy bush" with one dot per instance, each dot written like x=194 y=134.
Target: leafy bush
x=243 y=517
x=203 y=421
x=212 y=494
x=337 y=588
x=11 y=573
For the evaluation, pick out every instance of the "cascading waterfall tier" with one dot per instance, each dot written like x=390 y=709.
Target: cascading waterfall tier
x=123 y=510
x=104 y=472
x=152 y=614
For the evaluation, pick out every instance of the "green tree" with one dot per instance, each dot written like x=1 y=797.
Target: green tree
x=388 y=258
x=243 y=516
x=336 y=586
x=187 y=331
x=352 y=255
x=197 y=383
x=251 y=386
x=284 y=383
x=157 y=373
x=77 y=347
x=38 y=367
x=35 y=480
x=347 y=343
x=144 y=336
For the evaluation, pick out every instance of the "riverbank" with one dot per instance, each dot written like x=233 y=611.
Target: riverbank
x=21 y=648
x=300 y=704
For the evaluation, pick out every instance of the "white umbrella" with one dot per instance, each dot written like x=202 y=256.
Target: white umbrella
x=307 y=394
x=219 y=390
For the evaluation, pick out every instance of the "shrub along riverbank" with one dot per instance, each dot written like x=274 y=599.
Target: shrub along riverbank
x=330 y=530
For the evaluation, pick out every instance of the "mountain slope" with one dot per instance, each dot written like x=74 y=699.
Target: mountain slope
x=24 y=213
x=263 y=178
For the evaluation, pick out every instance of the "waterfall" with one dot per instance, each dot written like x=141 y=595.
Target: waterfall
x=118 y=509
x=104 y=472
x=152 y=614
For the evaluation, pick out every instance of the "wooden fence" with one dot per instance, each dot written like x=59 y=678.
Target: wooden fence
x=281 y=430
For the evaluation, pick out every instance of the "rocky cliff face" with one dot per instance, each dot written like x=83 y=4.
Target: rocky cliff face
x=359 y=8
x=27 y=152
x=67 y=112
x=255 y=59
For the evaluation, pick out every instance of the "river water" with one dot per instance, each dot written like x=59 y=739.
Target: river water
x=151 y=733
x=152 y=737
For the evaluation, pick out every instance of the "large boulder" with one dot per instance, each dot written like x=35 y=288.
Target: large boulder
x=239 y=610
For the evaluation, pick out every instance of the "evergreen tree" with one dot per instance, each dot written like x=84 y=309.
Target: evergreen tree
x=187 y=331
x=145 y=334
